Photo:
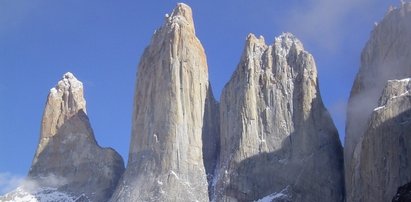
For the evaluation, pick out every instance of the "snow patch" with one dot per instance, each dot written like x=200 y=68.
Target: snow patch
x=378 y=108
x=41 y=195
x=283 y=195
x=174 y=174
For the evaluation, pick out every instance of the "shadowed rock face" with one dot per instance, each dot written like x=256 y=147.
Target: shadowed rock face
x=403 y=193
x=276 y=135
x=385 y=151
x=387 y=55
x=68 y=156
x=172 y=104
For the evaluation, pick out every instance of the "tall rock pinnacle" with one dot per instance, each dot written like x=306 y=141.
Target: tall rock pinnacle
x=68 y=157
x=166 y=151
x=386 y=56
x=277 y=138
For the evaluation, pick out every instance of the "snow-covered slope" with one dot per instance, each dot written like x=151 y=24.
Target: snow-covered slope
x=22 y=194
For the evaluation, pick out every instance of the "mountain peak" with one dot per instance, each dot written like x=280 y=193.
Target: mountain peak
x=172 y=91
x=288 y=40
x=252 y=39
x=182 y=10
x=63 y=157
x=182 y=15
x=69 y=82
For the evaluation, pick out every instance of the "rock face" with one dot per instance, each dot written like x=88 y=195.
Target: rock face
x=385 y=151
x=172 y=104
x=386 y=56
x=277 y=138
x=68 y=157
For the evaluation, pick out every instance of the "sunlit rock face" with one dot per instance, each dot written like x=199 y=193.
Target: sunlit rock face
x=173 y=121
x=68 y=157
x=386 y=56
x=277 y=138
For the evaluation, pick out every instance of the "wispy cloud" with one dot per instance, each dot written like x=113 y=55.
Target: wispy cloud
x=9 y=182
x=339 y=109
x=322 y=21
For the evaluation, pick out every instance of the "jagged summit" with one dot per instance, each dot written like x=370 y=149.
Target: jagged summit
x=182 y=10
x=288 y=40
x=251 y=38
x=68 y=158
x=68 y=82
x=180 y=17
x=275 y=131
x=65 y=100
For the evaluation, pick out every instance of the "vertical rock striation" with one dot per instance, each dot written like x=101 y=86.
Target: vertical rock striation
x=387 y=55
x=277 y=138
x=68 y=157
x=168 y=126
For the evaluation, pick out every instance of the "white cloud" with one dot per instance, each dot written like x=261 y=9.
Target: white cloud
x=338 y=109
x=9 y=182
x=322 y=21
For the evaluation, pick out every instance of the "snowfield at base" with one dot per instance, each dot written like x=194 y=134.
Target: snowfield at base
x=41 y=195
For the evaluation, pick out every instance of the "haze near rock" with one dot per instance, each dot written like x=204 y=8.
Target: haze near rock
x=386 y=56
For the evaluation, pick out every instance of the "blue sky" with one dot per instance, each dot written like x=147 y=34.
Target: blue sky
x=101 y=43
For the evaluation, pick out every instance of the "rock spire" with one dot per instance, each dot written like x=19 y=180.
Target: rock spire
x=68 y=157
x=168 y=125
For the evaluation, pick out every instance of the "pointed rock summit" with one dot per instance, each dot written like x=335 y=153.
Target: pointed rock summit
x=172 y=98
x=369 y=139
x=68 y=157
x=277 y=139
